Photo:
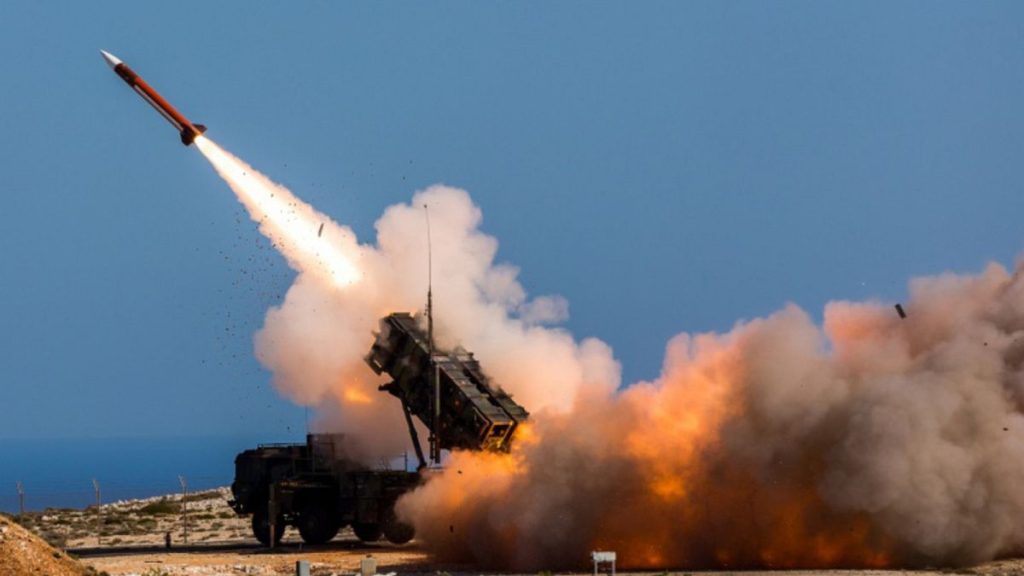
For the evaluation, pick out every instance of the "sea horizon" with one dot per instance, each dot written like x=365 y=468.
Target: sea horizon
x=59 y=472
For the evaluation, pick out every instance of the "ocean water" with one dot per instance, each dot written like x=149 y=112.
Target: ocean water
x=59 y=473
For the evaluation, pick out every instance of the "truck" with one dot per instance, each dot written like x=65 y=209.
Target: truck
x=318 y=488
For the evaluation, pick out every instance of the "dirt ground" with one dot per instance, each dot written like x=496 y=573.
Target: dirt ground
x=23 y=553
x=132 y=533
x=339 y=557
x=343 y=557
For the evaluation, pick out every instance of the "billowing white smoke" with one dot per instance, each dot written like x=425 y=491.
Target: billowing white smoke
x=870 y=441
x=315 y=341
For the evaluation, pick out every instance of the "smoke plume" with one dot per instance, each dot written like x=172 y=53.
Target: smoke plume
x=872 y=441
x=315 y=341
x=869 y=441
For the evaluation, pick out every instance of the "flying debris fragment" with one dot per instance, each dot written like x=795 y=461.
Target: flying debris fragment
x=188 y=130
x=900 y=311
x=320 y=231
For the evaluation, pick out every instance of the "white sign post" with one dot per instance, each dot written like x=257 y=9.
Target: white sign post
x=606 y=558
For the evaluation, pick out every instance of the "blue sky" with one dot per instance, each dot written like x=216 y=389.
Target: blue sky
x=666 y=167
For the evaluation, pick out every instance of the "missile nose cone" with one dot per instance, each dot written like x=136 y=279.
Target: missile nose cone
x=112 y=60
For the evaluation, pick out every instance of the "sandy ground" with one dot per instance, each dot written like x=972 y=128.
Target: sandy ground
x=22 y=553
x=342 y=557
x=338 y=557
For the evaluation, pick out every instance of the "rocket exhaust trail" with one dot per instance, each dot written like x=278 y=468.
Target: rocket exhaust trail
x=292 y=225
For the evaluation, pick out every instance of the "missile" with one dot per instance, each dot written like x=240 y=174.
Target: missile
x=188 y=130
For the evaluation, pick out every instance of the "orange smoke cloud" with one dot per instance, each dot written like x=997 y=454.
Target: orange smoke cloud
x=873 y=442
x=356 y=395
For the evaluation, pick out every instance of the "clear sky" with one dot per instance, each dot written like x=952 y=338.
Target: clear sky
x=666 y=167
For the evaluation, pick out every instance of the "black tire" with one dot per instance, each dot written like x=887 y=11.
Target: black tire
x=395 y=531
x=261 y=528
x=367 y=532
x=317 y=526
x=398 y=532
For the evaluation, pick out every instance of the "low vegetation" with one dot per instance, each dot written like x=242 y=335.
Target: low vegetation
x=145 y=522
x=161 y=506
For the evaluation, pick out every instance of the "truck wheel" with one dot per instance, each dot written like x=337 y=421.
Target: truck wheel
x=398 y=532
x=261 y=528
x=317 y=526
x=395 y=531
x=367 y=532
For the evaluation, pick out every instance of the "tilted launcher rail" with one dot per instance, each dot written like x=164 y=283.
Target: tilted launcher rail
x=472 y=413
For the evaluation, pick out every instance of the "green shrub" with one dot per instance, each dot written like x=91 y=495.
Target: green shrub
x=162 y=506
x=199 y=496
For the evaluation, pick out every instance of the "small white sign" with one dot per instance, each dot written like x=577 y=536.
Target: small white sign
x=603 y=556
x=368 y=566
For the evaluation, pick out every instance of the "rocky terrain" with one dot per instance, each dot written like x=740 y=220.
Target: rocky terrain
x=128 y=538
x=146 y=522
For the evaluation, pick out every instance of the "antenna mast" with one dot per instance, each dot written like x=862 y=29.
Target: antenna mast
x=435 y=442
x=430 y=286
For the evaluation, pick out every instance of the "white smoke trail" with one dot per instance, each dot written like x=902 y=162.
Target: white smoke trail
x=294 y=226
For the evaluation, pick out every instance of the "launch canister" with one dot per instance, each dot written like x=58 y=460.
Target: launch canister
x=188 y=130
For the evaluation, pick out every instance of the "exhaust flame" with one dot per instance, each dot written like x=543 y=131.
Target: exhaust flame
x=870 y=441
x=291 y=224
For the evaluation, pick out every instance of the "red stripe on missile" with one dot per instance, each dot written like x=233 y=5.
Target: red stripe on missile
x=187 y=129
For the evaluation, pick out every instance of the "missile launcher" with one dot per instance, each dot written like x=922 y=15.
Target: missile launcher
x=472 y=413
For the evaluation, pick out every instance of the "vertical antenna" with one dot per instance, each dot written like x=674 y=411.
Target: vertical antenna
x=99 y=518
x=21 y=499
x=184 y=507
x=430 y=286
x=435 y=442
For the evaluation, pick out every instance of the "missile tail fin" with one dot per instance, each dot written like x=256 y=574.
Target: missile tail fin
x=188 y=135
